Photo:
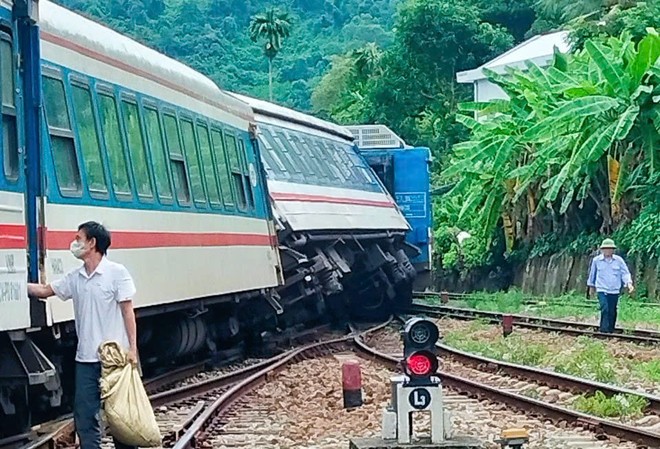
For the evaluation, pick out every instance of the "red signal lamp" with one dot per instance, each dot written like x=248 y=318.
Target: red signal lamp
x=421 y=364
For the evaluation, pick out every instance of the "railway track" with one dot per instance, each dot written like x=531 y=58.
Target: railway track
x=467 y=383
x=163 y=389
x=639 y=336
x=208 y=422
x=200 y=429
x=208 y=400
x=531 y=300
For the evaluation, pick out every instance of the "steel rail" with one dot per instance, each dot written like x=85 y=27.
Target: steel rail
x=524 y=403
x=55 y=433
x=545 y=377
x=196 y=432
x=157 y=383
x=531 y=300
x=640 y=336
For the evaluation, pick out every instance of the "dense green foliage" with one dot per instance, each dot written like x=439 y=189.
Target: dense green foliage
x=573 y=156
x=579 y=135
x=213 y=37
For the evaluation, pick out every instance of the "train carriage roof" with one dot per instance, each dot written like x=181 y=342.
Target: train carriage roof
x=59 y=24
x=286 y=114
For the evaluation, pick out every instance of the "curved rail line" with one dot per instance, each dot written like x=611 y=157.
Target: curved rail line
x=60 y=433
x=196 y=432
x=545 y=377
x=640 y=336
x=525 y=403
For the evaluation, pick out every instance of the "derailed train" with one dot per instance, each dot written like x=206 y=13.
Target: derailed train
x=234 y=216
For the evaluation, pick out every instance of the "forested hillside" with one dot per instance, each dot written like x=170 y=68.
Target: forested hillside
x=212 y=36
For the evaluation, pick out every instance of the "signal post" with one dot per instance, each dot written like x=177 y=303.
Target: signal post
x=419 y=389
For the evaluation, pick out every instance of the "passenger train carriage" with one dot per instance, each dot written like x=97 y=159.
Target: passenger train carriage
x=341 y=234
x=157 y=153
x=231 y=224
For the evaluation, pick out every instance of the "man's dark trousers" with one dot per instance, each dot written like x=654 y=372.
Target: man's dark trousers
x=608 y=305
x=87 y=407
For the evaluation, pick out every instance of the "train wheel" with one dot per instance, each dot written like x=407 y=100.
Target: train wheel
x=21 y=420
x=373 y=306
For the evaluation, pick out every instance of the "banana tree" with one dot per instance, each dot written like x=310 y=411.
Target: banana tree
x=584 y=129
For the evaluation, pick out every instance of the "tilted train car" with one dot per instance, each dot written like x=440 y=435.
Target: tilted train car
x=405 y=172
x=152 y=149
x=341 y=235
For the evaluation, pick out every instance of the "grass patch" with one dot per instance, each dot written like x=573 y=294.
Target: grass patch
x=648 y=370
x=591 y=360
x=625 y=406
x=513 y=349
x=630 y=311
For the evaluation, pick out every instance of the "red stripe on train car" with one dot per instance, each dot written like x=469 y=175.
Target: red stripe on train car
x=306 y=198
x=137 y=239
x=13 y=236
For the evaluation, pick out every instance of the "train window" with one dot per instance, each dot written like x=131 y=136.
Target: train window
x=234 y=165
x=222 y=167
x=323 y=159
x=285 y=140
x=157 y=153
x=344 y=164
x=207 y=163
x=114 y=146
x=9 y=132
x=340 y=167
x=176 y=159
x=61 y=136
x=55 y=101
x=83 y=114
x=267 y=160
x=137 y=149
x=273 y=159
x=306 y=155
x=277 y=147
x=246 y=175
x=188 y=134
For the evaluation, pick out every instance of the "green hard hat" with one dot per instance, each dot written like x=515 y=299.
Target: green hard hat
x=608 y=243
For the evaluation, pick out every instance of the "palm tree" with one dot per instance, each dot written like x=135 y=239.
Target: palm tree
x=273 y=26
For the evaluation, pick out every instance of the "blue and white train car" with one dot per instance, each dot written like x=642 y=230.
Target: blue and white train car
x=405 y=172
x=156 y=152
x=341 y=234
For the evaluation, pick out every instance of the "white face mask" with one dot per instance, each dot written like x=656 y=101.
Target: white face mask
x=77 y=248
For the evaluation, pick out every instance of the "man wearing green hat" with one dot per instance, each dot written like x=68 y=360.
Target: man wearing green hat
x=608 y=274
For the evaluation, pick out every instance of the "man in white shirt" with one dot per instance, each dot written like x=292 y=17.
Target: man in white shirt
x=102 y=293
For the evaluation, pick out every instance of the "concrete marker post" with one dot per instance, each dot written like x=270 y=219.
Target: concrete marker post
x=351 y=379
x=507 y=325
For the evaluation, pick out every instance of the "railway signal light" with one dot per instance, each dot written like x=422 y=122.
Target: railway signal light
x=420 y=358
